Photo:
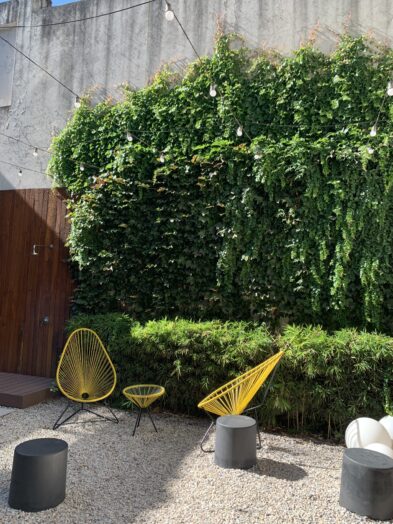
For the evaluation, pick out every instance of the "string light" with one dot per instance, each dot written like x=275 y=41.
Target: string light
x=87 y=17
x=77 y=102
x=370 y=150
x=239 y=131
x=169 y=14
x=257 y=153
x=162 y=158
x=130 y=136
x=213 y=90
x=82 y=167
x=389 y=89
x=20 y=172
x=35 y=152
x=373 y=131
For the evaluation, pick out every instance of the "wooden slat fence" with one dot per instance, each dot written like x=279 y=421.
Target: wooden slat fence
x=33 y=287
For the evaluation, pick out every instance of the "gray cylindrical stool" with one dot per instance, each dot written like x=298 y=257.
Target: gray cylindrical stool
x=367 y=483
x=39 y=471
x=236 y=442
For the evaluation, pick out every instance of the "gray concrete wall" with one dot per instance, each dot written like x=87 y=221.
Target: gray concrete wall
x=131 y=46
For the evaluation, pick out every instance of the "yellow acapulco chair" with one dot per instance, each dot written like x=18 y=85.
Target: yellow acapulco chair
x=233 y=397
x=85 y=373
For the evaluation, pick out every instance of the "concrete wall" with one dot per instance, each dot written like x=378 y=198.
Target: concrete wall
x=131 y=46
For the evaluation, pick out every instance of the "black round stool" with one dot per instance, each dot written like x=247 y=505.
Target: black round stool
x=367 y=483
x=39 y=471
x=236 y=445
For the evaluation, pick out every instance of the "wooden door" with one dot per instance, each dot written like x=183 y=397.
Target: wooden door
x=35 y=280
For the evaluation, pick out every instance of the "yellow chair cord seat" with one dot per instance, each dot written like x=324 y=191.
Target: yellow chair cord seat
x=143 y=395
x=233 y=397
x=85 y=372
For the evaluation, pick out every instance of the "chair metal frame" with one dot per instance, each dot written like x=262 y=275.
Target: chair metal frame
x=246 y=410
x=83 y=407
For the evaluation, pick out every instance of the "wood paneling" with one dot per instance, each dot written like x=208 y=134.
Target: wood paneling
x=32 y=286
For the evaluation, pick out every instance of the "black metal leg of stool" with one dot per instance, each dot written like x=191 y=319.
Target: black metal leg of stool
x=138 y=418
x=152 y=421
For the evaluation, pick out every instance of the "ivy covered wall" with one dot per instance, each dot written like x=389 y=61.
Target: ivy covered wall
x=289 y=217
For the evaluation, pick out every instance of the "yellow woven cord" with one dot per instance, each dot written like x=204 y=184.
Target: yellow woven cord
x=143 y=394
x=233 y=398
x=85 y=372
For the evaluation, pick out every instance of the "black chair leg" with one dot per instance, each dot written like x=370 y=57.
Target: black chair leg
x=82 y=407
x=205 y=438
x=151 y=419
x=138 y=419
x=57 y=424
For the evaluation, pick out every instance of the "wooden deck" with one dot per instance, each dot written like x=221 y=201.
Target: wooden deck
x=22 y=391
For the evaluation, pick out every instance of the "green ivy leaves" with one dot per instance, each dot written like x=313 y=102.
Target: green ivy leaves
x=291 y=220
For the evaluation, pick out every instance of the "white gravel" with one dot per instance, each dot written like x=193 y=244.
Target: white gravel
x=164 y=478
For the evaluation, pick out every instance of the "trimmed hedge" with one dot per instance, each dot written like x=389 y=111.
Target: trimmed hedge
x=324 y=380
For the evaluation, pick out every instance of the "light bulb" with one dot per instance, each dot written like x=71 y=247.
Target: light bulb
x=35 y=152
x=77 y=102
x=370 y=150
x=213 y=90
x=162 y=158
x=373 y=131
x=257 y=155
x=169 y=14
x=389 y=89
x=20 y=172
x=130 y=138
x=82 y=167
x=239 y=131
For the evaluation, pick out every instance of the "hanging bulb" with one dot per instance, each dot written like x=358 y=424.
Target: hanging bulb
x=169 y=14
x=35 y=152
x=373 y=131
x=213 y=90
x=370 y=150
x=239 y=131
x=20 y=172
x=77 y=102
x=162 y=158
x=257 y=154
x=389 y=89
x=82 y=167
x=130 y=138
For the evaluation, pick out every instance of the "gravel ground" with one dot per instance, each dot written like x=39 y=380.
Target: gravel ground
x=164 y=478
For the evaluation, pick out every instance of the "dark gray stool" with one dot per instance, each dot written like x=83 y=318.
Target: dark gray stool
x=236 y=442
x=367 y=483
x=39 y=471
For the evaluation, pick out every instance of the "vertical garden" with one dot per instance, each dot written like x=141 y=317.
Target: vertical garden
x=269 y=201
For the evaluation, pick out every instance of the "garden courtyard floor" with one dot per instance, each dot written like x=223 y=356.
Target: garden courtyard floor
x=165 y=478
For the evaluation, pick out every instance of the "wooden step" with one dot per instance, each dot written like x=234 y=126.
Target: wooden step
x=22 y=391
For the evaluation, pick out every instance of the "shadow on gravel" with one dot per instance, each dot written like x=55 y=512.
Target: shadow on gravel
x=279 y=470
x=112 y=477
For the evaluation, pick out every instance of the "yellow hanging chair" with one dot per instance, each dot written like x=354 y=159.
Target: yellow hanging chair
x=233 y=397
x=85 y=373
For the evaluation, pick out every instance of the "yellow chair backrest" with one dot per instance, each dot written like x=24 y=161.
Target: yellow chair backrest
x=85 y=372
x=234 y=397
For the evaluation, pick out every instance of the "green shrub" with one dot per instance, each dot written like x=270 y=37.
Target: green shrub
x=336 y=378
x=324 y=380
x=188 y=358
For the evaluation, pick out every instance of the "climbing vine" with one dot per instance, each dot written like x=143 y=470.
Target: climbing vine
x=291 y=219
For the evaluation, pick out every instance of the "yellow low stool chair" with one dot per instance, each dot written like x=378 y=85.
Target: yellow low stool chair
x=233 y=397
x=143 y=396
